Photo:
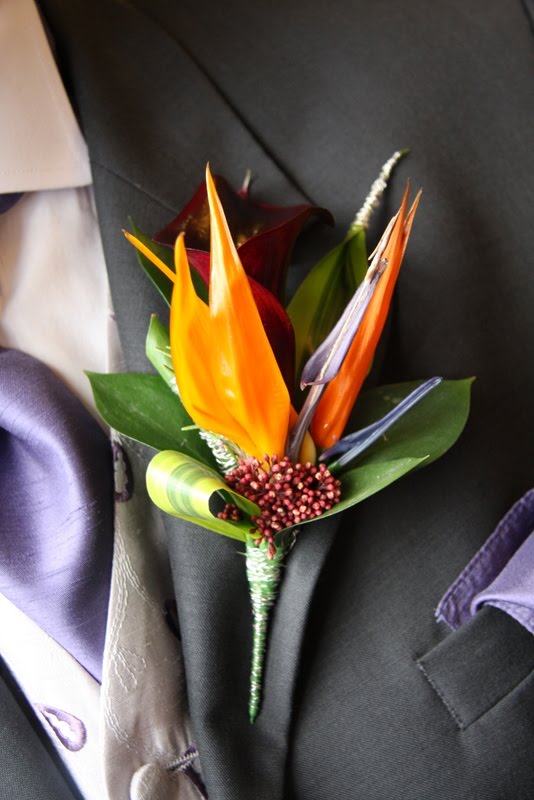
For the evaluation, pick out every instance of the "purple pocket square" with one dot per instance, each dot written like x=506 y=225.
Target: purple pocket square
x=500 y=574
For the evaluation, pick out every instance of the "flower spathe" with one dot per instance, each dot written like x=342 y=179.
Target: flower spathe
x=273 y=315
x=249 y=379
x=334 y=407
x=226 y=372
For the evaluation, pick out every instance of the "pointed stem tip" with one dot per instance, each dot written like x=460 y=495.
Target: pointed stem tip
x=264 y=575
x=363 y=217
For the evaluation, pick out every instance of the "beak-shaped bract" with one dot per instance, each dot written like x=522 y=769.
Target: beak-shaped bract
x=334 y=407
x=249 y=383
x=226 y=372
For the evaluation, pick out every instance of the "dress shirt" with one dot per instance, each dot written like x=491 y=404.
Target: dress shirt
x=52 y=279
x=130 y=736
x=54 y=294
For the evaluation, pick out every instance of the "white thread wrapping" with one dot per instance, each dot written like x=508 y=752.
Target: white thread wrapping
x=264 y=577
x=363 y=217
x=227 y=454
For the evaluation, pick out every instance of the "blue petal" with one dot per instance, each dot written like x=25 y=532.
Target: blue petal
x=326 y=361
x=355 y=443
x=303 y=422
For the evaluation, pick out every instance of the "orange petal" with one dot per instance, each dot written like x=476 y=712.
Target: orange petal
x=191 y=342
x=248 y=379
x=339 y=396
x=150 y=255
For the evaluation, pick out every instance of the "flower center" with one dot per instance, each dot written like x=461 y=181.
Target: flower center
x=286 y=493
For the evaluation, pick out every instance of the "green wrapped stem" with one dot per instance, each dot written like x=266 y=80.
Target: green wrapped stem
x=263 y=576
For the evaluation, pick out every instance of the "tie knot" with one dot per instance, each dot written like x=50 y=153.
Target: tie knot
x=56 y=507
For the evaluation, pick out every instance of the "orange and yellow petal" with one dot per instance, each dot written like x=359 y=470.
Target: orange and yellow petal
x=336 y=404
x=191 y=351
x=249 y=381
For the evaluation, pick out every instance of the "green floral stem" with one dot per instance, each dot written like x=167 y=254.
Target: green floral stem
x=263 y=576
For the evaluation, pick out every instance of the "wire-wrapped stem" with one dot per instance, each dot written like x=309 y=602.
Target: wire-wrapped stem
x=263 y=574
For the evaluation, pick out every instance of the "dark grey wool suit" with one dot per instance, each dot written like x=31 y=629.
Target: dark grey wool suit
x=366 y=695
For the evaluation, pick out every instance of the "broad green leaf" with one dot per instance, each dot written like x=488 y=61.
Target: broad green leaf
x=356 y=443
x=418 y=438
x=185 y=488
x=158 y=351
x=322 y=296
x=426 y=431
x=361 y=482
x=143 y=408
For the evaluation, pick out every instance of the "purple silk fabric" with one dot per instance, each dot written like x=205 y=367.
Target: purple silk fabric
x=513 y=589
x=56 y=508
x=501 y=574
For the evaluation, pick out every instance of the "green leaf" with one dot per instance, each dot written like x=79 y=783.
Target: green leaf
x=361 y=482
x=166 y=254
x=160 y=281
x=143 y=408
x=426 y=431
x=324 y=293
x=418 y=438
x=185 y=488
x=158 y=351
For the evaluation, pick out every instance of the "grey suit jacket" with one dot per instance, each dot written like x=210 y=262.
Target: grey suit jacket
x=366 y=696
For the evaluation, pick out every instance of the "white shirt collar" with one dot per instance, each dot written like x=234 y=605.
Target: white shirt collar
x=41 y=146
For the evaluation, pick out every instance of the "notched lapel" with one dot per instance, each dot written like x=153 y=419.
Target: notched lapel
x=152 y=120
x=240 y=759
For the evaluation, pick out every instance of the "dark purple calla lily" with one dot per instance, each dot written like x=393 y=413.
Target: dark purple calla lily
x=275 y=319
x=264 y=234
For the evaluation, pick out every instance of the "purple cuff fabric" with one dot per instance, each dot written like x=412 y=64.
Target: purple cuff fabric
x=7 y=201
x=501 y=574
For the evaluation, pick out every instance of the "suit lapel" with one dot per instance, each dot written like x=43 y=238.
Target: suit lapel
x=241 y=760
x=152 y=121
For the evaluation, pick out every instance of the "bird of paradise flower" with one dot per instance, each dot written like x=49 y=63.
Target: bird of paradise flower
x=277 y=468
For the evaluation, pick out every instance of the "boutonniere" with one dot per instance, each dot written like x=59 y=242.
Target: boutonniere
x=250 y=405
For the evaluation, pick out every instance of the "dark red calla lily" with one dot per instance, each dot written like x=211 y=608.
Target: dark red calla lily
x=264 y=234
x=273 y=315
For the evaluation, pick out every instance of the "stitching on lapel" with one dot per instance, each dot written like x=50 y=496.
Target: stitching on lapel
x=231 y=106
x=136 y=186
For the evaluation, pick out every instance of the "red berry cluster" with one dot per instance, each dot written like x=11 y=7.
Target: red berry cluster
x=286 y=493
x=230 y=513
